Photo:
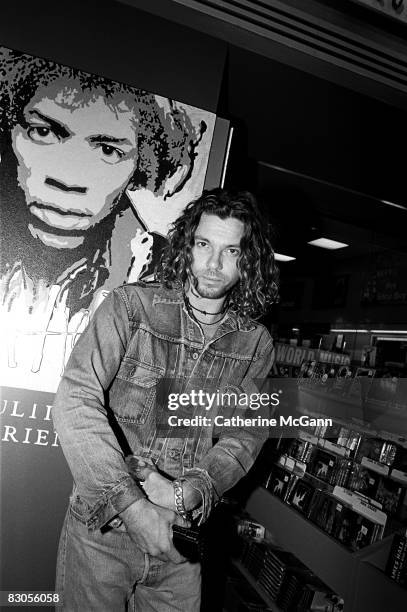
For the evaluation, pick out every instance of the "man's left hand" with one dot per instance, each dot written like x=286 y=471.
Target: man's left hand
x=160 y=490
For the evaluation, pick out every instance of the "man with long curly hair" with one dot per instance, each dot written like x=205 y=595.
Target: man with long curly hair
x=191 y=335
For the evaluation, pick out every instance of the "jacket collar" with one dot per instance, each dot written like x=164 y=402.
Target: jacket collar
x=176 y=296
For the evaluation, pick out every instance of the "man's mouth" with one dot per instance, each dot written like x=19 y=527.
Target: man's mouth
x=71 y=212
x=213 y=279
x=55 y=220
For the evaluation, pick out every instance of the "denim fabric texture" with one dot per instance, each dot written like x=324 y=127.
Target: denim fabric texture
x=141 y=345
x=106 y=572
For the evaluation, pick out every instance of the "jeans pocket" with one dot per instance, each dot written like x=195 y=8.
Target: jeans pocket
x=79 y=508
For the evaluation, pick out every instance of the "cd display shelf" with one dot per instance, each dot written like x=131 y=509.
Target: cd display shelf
x=358 y=577
x=246 y=575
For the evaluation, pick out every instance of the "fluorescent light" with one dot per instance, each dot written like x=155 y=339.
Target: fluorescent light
x=393 y=204
x=351 y=331
x=280 y=257
x=327 y=243
x=389 y=331
x=402 y=332
x=390 y=338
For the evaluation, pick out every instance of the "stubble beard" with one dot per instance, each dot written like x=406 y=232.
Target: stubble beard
x=214 y=293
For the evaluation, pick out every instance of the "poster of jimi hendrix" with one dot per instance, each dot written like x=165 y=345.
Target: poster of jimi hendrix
x=92 y=173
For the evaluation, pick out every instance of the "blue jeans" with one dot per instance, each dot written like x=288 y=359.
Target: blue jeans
x=106 y=572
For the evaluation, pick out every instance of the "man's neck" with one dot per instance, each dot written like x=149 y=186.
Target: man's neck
x=206 y=310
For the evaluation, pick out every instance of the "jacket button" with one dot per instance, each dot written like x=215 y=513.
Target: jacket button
x=195 y=355
x=173 y=453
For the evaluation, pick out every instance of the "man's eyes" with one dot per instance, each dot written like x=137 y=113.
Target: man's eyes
x=42 y=134
x=112 y=154
x=232 y=251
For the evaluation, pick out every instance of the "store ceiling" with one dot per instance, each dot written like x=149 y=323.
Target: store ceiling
x=338 y=144
x=303 y=208
x=318 y=156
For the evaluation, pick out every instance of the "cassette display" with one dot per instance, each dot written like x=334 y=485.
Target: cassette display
x=364 y=480
x=400 y=460
x=301 y=496
x=323 y=465
x=399 y=467
x=355 y=527
x=283 y=577
x=349 y=439
x=279 y=482
x=299 y=449
x=390 y=495
x=378 y=450
x=385 y=491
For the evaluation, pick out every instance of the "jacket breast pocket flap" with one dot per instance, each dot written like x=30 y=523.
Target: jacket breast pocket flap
x=134 y=391
x=142 y=374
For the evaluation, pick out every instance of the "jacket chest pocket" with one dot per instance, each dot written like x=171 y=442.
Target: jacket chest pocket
x=133 y=393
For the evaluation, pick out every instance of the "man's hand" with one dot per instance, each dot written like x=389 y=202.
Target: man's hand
x=150 y=527
x=160 y=490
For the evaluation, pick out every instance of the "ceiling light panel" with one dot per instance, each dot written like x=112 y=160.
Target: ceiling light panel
x=281 y=257
x=327 y=243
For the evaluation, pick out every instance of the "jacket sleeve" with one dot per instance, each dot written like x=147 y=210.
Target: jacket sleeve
x=237 y=447
x=103 y=486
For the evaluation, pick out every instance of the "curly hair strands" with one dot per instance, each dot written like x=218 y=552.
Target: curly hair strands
x=167 y=139
x=258 y=286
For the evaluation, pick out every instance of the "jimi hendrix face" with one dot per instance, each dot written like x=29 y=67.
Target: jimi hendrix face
x=76 y=154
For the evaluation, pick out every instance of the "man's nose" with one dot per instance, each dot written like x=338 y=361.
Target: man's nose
x=57 y=184
x=215 y=261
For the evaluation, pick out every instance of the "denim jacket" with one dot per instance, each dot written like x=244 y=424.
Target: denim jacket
x=108 y=404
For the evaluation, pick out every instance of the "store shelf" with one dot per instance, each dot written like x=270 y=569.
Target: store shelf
x=390 y=595
x=375 y=592
x=257 y=587
x=358 y=577
x=309 y=543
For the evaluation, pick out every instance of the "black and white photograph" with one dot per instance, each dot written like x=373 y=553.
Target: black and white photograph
x=203 y=306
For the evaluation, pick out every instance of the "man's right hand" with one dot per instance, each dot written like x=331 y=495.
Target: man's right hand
x=150 y=527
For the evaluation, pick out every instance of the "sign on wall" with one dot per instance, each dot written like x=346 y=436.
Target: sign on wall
x=386 y=280
x=92 y=173
x=296 y=355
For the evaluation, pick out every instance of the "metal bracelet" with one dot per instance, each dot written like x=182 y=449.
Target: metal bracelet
x=179 y=499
